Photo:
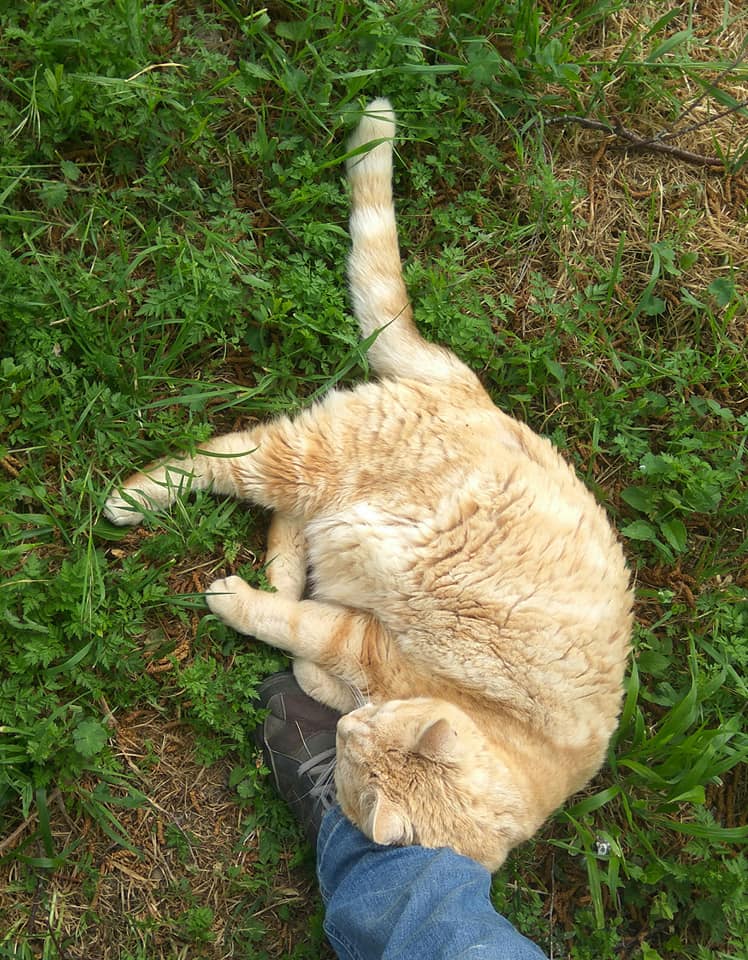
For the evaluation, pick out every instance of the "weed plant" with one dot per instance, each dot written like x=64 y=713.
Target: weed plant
x=172 y=250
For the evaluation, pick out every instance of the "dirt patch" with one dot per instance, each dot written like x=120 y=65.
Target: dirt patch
x=196 y=883
x=630 y=196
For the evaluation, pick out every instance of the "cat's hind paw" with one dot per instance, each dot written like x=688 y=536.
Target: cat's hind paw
x=122 y=510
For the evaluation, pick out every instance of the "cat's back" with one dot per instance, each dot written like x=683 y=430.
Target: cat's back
x=528 y=592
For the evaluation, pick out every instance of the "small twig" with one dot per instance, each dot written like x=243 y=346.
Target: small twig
x=550 y=907
x=636 y=142
x=296 y=239
x=701 y=123
x=31 y=924
x=728 y=69
x=12 y=837
x=61 y=953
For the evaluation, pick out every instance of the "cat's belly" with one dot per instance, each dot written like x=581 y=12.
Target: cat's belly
x=360 y=557
x=482 y=617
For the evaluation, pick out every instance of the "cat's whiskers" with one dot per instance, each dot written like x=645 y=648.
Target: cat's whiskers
x=359 y=698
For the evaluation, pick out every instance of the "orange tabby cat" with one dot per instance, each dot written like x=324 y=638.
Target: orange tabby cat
x=463 y=579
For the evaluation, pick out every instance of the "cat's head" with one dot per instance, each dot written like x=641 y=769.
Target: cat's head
x=420 y=771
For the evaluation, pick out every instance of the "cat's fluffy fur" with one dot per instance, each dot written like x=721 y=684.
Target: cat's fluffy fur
x=463 y=579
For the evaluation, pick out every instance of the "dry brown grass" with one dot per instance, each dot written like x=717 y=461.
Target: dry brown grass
x=192 y=852
x=634 y=197
x=642 y=197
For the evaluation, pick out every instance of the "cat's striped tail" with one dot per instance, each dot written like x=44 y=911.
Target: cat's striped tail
x=380 y=300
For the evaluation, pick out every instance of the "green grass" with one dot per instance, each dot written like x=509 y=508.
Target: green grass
x=172 y=250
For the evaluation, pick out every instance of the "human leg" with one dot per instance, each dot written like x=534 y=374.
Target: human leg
x=414 y=902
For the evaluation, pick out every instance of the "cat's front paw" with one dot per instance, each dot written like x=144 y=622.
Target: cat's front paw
x=229 y=600
x=122 y=512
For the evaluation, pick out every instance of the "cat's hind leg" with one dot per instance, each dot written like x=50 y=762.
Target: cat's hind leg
x=157 y=486
x=286 y=571
x=321 y=685
x=295 y=466
x=286 y=555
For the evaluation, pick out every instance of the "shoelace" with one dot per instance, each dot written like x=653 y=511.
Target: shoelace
x=319 y=769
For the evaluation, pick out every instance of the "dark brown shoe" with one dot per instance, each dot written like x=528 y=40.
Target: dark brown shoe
x=298 y=740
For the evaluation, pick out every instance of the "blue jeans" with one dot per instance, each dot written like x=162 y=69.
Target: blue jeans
x=392 y=903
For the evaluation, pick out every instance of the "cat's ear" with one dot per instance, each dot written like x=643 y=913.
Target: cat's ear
x=439 y=741
x=388 y=825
